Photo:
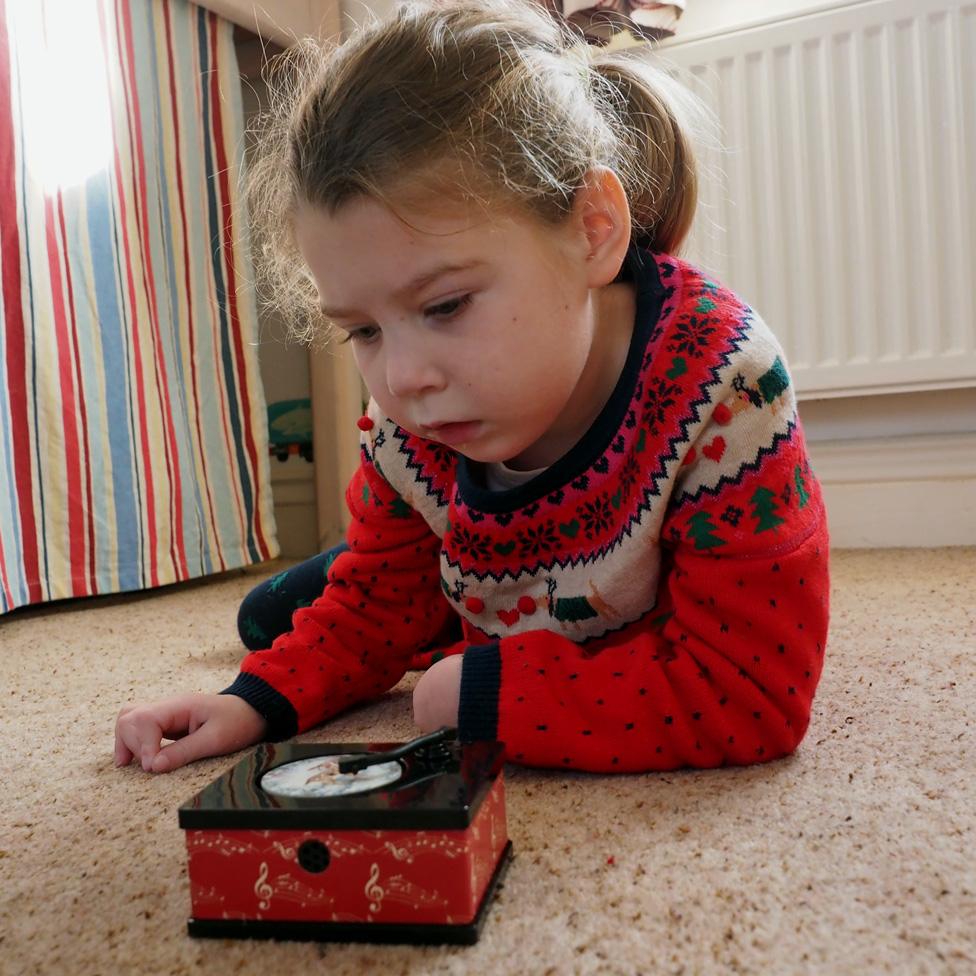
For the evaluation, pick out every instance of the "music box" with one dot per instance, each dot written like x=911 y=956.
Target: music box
x=380 y=842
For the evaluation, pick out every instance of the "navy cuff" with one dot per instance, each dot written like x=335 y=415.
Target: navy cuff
x=277 y=711
x=481 y=678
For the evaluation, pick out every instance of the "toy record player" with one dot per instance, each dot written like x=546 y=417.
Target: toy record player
x=381 y=842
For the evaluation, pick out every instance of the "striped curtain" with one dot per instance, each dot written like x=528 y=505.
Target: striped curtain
x=133 y=435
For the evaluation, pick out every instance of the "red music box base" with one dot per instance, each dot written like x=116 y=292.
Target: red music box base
x=284 y=846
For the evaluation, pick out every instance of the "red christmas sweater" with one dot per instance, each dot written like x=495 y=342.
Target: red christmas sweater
x=657 y=598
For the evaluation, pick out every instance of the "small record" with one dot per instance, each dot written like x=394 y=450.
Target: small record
x=320 y=777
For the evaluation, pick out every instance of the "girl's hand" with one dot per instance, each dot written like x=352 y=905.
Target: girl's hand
x=202 y=725
x=437 y=695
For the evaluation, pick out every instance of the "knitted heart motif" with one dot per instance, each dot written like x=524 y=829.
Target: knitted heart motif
x=715 y=449
x=678 y=368
x=508 y=617
x=570 y=528
x=504 y=549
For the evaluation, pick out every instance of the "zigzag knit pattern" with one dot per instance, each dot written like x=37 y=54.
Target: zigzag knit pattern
x=657 y=598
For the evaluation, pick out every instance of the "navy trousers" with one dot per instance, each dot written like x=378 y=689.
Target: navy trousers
x=267 y=610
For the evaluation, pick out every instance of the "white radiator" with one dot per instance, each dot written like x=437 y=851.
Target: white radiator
x=842 y=208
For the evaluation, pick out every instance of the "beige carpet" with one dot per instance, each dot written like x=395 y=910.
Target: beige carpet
x=856 y=855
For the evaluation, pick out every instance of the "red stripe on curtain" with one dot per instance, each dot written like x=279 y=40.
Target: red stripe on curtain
x=69 y=407
x=89 y=504
x=15 y=334
x=227 y=225
x=176 y=548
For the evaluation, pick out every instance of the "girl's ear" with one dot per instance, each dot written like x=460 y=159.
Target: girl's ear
x=602 y=213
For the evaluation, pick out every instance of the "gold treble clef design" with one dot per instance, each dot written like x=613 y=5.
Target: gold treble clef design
x=262 y=889
x=373 y=891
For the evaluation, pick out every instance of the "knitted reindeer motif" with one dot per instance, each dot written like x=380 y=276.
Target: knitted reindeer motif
x=568 y=609
x=600 y=605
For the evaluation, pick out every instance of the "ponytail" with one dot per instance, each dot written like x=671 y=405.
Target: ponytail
x=657 y=117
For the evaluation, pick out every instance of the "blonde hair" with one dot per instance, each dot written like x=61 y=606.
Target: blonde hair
x=496 y=97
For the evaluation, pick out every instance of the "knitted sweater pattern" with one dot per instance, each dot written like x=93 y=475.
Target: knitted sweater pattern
x=656 y=598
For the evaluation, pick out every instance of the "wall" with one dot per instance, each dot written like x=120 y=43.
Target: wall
x=897 y=469
x=280 y=21
x=285 y=374
x=704 y=17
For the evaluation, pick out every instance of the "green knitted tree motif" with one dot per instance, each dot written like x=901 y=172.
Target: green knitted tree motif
x=399 y=508
x=330 y=559
x=701 y=529
x=276 y=582
x=254 y=632
x=764 y=504
x=774 y=381
x=573 y=608
x=801 y=487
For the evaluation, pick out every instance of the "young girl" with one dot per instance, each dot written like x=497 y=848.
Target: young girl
x=579 y=448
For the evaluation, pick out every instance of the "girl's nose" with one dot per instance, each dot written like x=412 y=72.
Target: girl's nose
x=411 y=371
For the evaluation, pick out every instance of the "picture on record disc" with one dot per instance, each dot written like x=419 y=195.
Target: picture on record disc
x=320 y=777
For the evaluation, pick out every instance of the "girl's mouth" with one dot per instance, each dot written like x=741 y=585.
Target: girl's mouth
x=452 y=434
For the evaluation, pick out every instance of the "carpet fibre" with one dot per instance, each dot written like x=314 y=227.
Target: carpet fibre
x=855 y=855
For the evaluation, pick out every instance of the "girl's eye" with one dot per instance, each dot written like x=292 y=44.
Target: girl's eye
x=364 y=335
x=448 y=309
x=445 y=310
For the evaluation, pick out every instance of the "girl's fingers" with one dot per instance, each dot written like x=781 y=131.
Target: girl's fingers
x=205 y=741
x=140 y=730
x=122 y=754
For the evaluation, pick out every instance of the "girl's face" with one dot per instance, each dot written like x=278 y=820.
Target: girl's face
x=483 y=334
